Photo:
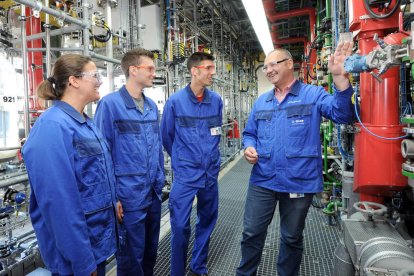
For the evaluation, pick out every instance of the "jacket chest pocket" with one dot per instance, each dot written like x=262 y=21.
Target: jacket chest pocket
x=213 y=129
x=188 y=128
x=213 y=122
x=155 y=127
x=154 y=137
x=298 y=120
x=90 y=165
x=264 y=123
x=129 y=132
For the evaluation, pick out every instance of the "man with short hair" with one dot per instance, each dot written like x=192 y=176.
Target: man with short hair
x=191 y=129
x=129 y=121
x=282 y=140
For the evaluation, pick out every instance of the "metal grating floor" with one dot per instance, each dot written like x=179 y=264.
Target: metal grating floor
x=224 y=256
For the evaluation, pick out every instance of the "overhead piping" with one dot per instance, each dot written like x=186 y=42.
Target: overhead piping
x=36 y=5
x=269 y=7
x=273 y=16
x=292 y=40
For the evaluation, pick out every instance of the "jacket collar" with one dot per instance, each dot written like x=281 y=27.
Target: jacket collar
x=294 y=91
x=193 y=98
x=71 y=111
x=295 y=88
x=128 y=100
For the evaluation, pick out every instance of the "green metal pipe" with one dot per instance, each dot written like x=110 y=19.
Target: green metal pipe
x=328 y=8
x=327 y=129
x=331 y=207
x=336 y=184
x=412 y=71
x=325 y=158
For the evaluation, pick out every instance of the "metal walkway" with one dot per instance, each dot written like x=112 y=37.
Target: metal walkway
x=224 y=255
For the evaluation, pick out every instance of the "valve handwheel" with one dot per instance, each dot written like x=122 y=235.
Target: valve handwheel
x=370 y=208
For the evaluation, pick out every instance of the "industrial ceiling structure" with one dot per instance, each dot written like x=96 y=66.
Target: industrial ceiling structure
x=291 y=22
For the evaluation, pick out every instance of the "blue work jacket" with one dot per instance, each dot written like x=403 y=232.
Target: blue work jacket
x=286 y=136
x=72 y=202
x=135 y=142
x=187 y=127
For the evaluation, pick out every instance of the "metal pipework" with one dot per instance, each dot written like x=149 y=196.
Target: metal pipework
x=195 y=22
x=66 y=30
x=48 y=45
x=218 y=13
x=105 y=58
x=25 y=71
x=382 y=58
x=14 y=180
x=54 y=50
x=10 y=148
x=192 y=25
x=109 y=49
x=407 y=148
x=85 y=32
x=167 y=77
x=38 y=6
x=91 y=54
x=12 y=174
x=412 y=24
x=274 y=16
x=139 y=25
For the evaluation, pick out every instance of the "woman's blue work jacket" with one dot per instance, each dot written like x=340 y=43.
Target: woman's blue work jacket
x=73 y=195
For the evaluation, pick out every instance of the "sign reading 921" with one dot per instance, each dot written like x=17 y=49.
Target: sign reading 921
x=7 y=99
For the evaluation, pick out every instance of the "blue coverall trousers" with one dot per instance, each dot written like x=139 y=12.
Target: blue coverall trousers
x=138 y=240
x=259 y=210
x=180 y=205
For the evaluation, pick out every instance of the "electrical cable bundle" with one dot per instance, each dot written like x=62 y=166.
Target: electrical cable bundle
x=106 y=37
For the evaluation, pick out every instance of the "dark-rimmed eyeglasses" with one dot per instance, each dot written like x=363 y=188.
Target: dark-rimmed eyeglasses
x=273 y=64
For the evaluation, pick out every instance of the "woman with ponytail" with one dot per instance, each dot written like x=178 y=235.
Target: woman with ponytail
x=71 y=174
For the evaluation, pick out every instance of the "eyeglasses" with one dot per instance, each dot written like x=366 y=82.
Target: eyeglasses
x=208 y=67
x=150 y=68
x=273 y=64
x=95 y=75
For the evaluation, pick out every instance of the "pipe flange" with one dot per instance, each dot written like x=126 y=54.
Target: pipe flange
x=408 y=167
x=37 y=8
x=408 y=130
x=407 y=148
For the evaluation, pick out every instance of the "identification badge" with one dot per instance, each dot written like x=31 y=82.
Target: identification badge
x=214 y=131
x=296 y=195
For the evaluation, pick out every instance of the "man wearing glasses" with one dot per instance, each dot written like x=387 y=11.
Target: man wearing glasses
x=129 y=122
x=282 y=140
x=191 y=130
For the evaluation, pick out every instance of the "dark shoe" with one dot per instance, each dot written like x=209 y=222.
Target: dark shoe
x=192 y=273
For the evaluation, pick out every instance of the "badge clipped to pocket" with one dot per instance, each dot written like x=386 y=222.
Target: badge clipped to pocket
x=214 y=131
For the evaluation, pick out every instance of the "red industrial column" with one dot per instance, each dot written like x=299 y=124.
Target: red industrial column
x=34 y=59
x=377 y=161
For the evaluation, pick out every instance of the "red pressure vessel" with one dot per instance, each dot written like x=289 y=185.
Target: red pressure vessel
x=378 y=161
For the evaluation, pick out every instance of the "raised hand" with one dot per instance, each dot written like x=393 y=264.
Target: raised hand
x=336 y=64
